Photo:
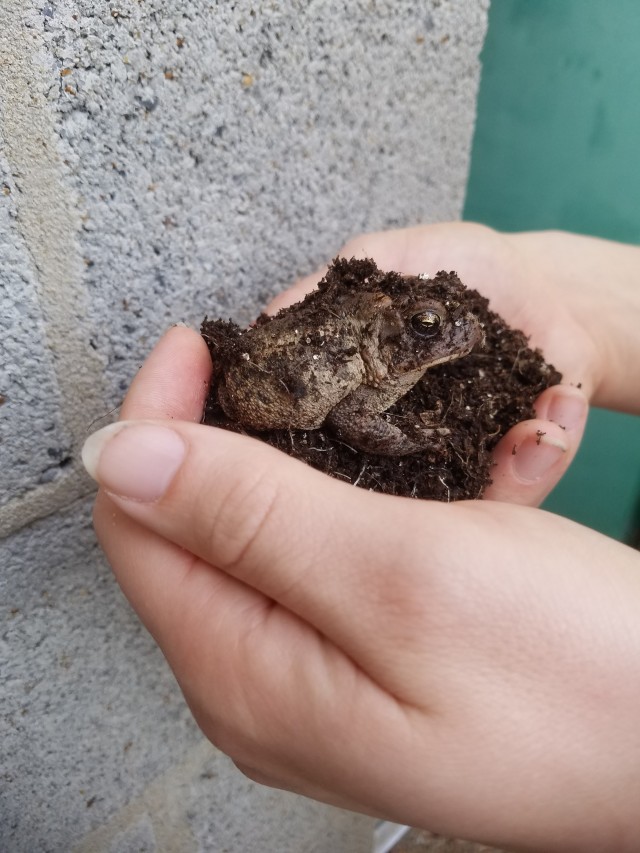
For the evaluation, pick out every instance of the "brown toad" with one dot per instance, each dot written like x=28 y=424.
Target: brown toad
x=343 y=356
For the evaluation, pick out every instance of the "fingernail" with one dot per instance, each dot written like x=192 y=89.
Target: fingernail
x=536 y=456
x=133 y=459
x=567 y=408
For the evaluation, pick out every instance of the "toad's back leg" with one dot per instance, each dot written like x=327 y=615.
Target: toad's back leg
x=354 y=423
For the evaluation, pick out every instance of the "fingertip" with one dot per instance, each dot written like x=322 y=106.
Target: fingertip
x=184 y=342
x=539 y=456
x=174 y=380
x=533 y=455
x=295 y=293
x=565 y=405
x=529 y=461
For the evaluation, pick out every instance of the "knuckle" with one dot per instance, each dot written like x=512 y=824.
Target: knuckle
x=239 y=526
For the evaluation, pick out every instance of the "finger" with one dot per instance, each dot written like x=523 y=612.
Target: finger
x=566 y=406
x=467 y=247
x=419 y=249
x=403 y=250
x=173 y=381
x=296 y=292
x=534 y=455
x=391 y=250
x=256 y=514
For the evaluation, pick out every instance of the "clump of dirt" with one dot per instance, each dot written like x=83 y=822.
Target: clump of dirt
x=478 y=397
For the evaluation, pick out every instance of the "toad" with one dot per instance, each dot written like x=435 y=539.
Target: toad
x=344 y=355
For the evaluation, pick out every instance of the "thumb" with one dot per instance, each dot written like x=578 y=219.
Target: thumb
x=299 y=537
x=534 y=455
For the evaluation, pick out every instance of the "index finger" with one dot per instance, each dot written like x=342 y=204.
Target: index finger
x=173 y=381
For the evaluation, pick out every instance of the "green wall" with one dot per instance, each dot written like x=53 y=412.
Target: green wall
x=557 y=145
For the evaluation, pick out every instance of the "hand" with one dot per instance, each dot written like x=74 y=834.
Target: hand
x=471 y=668
x=577 y=297
x=502 y=267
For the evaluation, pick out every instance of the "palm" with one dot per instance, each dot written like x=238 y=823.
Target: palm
x=495 y=265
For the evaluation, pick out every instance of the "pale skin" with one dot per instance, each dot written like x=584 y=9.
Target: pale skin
x=471 y=668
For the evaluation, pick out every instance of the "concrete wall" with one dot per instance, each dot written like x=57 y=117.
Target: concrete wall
x=161 y=160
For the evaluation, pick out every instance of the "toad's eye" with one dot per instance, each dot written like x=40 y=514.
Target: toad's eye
x=426 y=323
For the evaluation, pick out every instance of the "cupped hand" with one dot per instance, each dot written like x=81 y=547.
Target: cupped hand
x=511 y=270
x=533 y=456
x=471 y=668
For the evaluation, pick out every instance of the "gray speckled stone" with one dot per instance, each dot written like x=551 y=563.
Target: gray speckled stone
x=161 y=161
x=28 y=458
x=99 y=751
x=177 y=159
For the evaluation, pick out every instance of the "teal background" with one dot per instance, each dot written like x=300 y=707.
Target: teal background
x=557 y=145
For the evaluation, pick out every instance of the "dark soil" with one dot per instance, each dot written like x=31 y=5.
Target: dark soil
x=480 y=397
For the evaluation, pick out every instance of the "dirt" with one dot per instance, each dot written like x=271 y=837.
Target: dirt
x=479 y=398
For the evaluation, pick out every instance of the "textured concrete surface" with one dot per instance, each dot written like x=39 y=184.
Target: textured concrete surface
x=37 y=457
x=99 y=752
x=159 y=161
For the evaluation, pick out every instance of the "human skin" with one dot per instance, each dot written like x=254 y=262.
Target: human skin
x=471 y=668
